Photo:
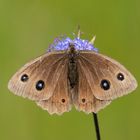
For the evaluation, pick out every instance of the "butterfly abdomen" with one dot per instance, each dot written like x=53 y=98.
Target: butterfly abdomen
x=72 y=68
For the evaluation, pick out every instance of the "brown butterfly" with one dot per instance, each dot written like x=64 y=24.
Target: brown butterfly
x=72 y=72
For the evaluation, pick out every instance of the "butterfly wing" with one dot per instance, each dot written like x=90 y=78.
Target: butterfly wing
x=60 y=101
x=98 y=69
x=46 y=68
x=84 y=99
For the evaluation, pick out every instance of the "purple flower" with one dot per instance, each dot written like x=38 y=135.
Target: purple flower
x=63 y=44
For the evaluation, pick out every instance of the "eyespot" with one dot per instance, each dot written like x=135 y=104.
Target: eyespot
x=83 y=100
x=24 y=78
x=105 y=84
x=63 y=100
x=120 y=76
x=40 y=85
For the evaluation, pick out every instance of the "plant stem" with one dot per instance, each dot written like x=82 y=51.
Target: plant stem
x=95 y=117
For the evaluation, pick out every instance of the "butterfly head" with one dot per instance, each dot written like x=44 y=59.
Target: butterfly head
x=71 y=48
x=68 y=43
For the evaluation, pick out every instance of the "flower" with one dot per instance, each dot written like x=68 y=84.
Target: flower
x=63 y=44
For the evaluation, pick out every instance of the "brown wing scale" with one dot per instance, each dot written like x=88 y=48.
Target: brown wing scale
x=84 y=99
x=47 y=68
x=87 y=96
x=97 y=67
x=60 y=101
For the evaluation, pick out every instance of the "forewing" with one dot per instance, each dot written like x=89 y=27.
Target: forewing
x=97 y=67
x=60 y=101
x=47 y=68
x=84 y=99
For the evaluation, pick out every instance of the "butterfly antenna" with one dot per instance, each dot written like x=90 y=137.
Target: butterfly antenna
x=79 y=32
x=95 y=117
x=93 y=40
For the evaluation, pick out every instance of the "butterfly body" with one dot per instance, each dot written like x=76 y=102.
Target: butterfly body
x=72 y=66
x=72 y=72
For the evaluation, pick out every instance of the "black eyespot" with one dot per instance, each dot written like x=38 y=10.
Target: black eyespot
x=83 y=100
x=63 y=100
x=24 y=78
x=120 y=77
x=40 y=85
x=105 y=84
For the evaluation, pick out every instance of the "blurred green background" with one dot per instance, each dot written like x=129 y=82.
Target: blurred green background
x=28 y=27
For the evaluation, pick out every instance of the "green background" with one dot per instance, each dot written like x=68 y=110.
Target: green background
x=27 y=27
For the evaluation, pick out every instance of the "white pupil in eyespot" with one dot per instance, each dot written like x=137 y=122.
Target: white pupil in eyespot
x=120 y=77
x=105 y=84
x=24 y=78
x=40 y=85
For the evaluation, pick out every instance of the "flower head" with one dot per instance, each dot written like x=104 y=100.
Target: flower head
x=63 y=44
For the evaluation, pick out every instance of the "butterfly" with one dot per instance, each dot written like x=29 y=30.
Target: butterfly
x=72 y=72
